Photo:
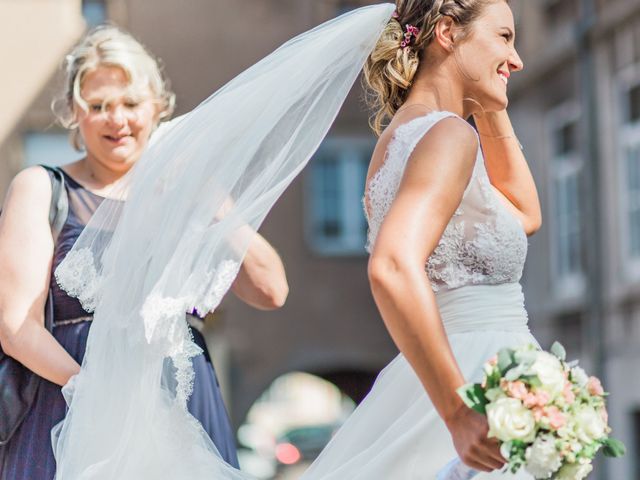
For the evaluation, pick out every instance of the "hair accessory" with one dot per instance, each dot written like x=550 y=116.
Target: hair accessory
x=410 y=31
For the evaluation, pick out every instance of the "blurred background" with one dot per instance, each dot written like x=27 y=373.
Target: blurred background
x=292 y=376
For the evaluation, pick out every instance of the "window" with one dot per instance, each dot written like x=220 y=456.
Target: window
x=94 y=12
x=629 y=148
x=633 y=112
x=568 y=252
x=636 y=441
x=335 y=222
x=49 y=149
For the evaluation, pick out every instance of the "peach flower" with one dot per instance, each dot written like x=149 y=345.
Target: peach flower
x=595 y=387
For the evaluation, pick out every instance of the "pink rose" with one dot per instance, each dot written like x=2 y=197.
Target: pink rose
x=555 y=417
x=595 y=387
x=531 y=400
x=538 y=413
x=542 y=398
x=517 y=390
x=568 y=394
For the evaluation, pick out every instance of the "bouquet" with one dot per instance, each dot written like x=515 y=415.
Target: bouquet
x=548 y=414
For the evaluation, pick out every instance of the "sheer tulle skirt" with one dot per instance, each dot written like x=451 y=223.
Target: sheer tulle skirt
x=396 y=433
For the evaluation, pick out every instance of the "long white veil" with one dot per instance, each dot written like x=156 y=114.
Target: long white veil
x=193 y=202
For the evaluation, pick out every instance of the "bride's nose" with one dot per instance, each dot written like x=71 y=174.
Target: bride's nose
x=515 y=62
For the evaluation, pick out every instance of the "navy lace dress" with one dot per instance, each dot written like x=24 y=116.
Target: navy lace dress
x=28 y=455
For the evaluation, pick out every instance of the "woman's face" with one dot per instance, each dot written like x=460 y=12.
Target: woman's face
x=116 y=127
x=488 y=57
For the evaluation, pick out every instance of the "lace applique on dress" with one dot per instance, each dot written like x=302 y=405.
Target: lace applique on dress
x=483 y=242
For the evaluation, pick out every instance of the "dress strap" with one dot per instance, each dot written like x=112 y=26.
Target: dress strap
x=59 y=209
x=425 y=124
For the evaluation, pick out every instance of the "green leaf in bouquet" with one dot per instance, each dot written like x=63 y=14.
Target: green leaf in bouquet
x=516 y=372
x=492 y=394
x=473 y=396
x=613 y=448
x=516 y=454
x=493 y=380
x=525 y=357
x=589 y=451
x=532 y=380
x=559 y=351
x=505 y=360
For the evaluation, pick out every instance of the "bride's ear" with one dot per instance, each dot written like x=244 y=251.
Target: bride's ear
x=445 y=33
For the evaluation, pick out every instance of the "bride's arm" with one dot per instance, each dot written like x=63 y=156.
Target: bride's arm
x=26 y=248
x=431 y=190
x=508 y=169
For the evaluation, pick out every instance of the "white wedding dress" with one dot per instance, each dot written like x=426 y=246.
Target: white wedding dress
x=172 y=235
x=396 y=433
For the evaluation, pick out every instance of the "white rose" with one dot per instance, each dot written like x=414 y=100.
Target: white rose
x=574 y=471
x=579 y=376
x=543 y=458
x=589 y=425
x=549 y=370
x=510 y=420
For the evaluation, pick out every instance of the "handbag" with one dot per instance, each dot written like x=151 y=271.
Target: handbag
x=18 y=384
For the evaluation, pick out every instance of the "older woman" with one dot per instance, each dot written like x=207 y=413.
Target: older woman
x=115 y=98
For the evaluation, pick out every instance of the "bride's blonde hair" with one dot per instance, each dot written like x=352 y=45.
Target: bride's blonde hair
x=390 y=68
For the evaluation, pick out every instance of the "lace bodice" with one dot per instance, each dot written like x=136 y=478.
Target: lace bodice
x=483 y=243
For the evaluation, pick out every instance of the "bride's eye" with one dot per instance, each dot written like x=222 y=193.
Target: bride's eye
x=95 y=107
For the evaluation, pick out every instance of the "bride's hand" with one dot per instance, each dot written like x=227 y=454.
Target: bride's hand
x=469 y=431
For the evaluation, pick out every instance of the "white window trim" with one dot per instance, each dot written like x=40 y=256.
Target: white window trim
x=629 y=136
x=568 y=285
x=353 y=188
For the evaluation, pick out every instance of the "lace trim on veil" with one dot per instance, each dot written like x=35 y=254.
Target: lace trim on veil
x=163 y=317
x=78 y=276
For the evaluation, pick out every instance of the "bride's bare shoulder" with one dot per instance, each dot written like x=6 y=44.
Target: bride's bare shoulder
x=386 y=137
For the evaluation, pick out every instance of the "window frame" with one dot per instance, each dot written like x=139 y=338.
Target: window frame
x=569 y=284
x=352 y=153
x=628 y=137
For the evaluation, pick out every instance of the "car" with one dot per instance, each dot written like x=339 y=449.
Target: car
x=303 y=443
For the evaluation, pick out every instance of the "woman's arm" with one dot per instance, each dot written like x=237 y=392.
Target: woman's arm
x=430 y=192
x=507 y=168
x=262 y=281
x=26 y=249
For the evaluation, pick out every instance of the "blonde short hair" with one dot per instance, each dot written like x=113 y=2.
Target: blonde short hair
x=109 y=46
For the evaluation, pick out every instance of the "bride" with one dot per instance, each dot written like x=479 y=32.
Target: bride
x=431 y=200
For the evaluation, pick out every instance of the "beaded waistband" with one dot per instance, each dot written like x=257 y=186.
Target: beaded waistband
x=193 y=320
x=73 y=321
